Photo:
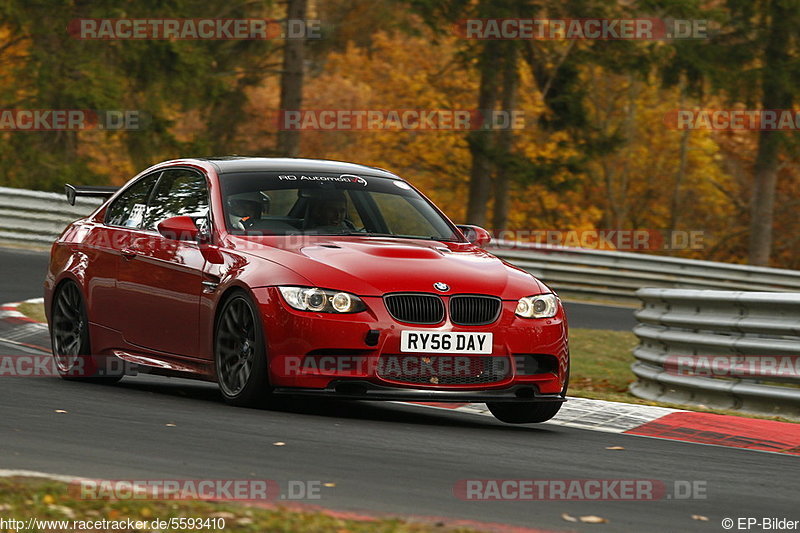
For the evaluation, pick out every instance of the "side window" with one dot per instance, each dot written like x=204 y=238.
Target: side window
x=128 y=210
x=179 y=193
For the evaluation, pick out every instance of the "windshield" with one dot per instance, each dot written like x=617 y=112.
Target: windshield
x=276 y=203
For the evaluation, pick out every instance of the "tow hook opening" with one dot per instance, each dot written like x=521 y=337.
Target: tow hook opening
x=350 y=389
x=526 y=392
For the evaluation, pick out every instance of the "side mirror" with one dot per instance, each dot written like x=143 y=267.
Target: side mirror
x=476 y=235
x=179 y=229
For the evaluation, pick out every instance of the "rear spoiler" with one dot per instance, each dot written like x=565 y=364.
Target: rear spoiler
x=93 y=192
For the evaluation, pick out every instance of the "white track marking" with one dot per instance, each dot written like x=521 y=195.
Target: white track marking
x=26 y=331
x=43 y=475
x=23 y=347
x=582 y=413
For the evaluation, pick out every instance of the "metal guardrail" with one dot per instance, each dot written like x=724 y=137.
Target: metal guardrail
x=621 y=274
x=721 y=349
x=37 y=218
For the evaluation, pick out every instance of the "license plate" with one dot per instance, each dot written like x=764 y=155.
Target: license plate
x=445 y=342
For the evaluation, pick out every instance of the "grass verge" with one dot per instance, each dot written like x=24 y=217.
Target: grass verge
x=33 y=311
x=25 y=498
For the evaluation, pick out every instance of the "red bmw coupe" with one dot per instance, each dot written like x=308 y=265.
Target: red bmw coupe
x=300 y=277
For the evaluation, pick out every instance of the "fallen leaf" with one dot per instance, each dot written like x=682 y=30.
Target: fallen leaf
x=223 y=514
x=66 y=511
x=279 y=443
x=60 y=411
x=700 y=517
x=592 y=519
x=5 y=507
x=48 y=499
x=615 y=448
x=568 y=518
x=244 y=521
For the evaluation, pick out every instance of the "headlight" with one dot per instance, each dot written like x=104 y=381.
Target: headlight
x=321 y=300
x=540 y=306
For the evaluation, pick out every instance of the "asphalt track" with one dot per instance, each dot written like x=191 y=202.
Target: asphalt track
x=383 y=458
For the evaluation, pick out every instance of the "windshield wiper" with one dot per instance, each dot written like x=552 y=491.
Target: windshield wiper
x=414 y=237
x=388 y=235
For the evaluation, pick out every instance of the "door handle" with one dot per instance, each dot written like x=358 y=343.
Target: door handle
x=128 y=254
x=209 y=286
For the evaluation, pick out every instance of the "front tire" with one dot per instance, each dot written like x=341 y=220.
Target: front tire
x=69 y=336
x=529 y=412
x=240 y=353
x=524 y=412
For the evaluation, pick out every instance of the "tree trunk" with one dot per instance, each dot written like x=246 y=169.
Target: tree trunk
x=762 y=205
x=505 y=141
x=679 y=178
x=292 y=80
x=776 y=94
x=683 y=156
x=480 y=141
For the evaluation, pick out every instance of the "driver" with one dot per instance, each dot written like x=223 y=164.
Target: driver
x=329 y=212
x=247 y=210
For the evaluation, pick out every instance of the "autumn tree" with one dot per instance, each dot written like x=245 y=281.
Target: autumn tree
x=760 y=39
x=168 y=81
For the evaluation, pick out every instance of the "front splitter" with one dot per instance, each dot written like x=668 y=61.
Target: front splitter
x=364 y=390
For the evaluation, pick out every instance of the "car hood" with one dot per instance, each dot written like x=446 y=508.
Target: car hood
x=373 y=266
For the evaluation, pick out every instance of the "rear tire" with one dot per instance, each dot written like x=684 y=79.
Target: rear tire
x=69 y=337
x=240 y=353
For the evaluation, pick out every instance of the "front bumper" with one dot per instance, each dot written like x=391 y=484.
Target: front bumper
x=295 y=338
